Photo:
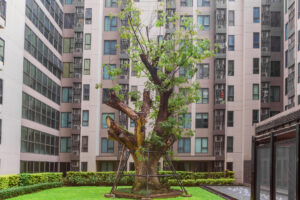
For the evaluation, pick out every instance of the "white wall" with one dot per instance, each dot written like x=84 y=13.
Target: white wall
x=12 y=76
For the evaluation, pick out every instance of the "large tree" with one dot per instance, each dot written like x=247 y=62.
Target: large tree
x=167 y=64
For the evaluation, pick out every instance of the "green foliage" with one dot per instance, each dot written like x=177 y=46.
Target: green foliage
x=16 y=191
x=166 y=65
x=9 y=181
x=198 y=182
x=107 y=178
x=4 y=182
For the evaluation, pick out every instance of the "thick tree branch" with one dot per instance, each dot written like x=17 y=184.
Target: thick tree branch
x=121 y=135
x=152 y=70
x=116 y=103
x=147 y=102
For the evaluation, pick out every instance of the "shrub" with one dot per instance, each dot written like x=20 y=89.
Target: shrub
x=4 y=182
x=198 y=182
x=13 y=180
x=107 y=178
x=37 y=178
x=16 y=191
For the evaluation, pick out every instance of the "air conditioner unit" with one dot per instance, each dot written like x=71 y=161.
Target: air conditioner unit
x=264 y=48
x=77 y=75
x=218 y=139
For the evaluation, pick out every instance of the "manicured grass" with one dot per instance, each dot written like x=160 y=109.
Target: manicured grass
x=97 y=193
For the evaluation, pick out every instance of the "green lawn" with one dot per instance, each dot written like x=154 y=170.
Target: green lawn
x=93 y=193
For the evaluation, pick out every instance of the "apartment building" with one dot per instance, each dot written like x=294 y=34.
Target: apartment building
x=55 y=118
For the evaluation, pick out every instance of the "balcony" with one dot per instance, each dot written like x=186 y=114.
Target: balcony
x=220 y=70
x=170 y=25
x=265 y=92
x=220 y=40
x=2 y=13
x=220 y=94
x=124 y=45
x=266 y=15
x=220 y=20
x=291 y=51
x=78 y=3
x=265 y=42
x=171 y=4
x=266 y=67
x=220 y=3
x=219 y=121
x=219 y=145
x=123 y=119
x=291 y=84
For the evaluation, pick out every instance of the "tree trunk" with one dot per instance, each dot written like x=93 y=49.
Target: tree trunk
x=141 y=169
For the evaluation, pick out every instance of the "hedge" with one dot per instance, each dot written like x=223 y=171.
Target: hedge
x=8 y=181
x=107 y=178
x=16 y=191
x=198 y=182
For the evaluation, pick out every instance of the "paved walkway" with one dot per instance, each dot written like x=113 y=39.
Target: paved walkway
x=243 y=192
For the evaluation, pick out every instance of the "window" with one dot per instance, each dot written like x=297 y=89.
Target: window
x=255 y=92
x=69 y=21
x=230 y=96
x=110 y=47
x=88 y=16
x=255 y=116
x=203 y=3
x=66 y=120
x=68 y=45
x=104 y=115
x=105 y=95
x=186 y=3
x=68 y=2
x=201 y=145
x=287 y=31
x=84 y=167
x=184 y=72
x=230 y=118
x=68 y=70
x=256 y=15
x=67 y=95
x=229 y=144
x=203 y=22
x=255 y=65
x=132 y=123
x=87 y=66
x=203 y=94
x=201 y=120
x=275 y=68
x=107 y=146
x=107 y=166
x=2 y=47
x=85 y=144
x=106 y=71
x=37 y=111
x=203 y=71
x=230 y=67
x=110 y=23
x=275 y=93
x=275 y=43
x=1 y=91
x=111 y=3
x=185 y=120
x=65 y=145
x=231 y=18
x=134 y=90
x=183 y=20
x=88 y=41
x=86 y=92
x=229 y=166
x=231 y=42
x=255 y=40
x=275 y=19
x=184 y=145
x=34 y=141
x=85 y=118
